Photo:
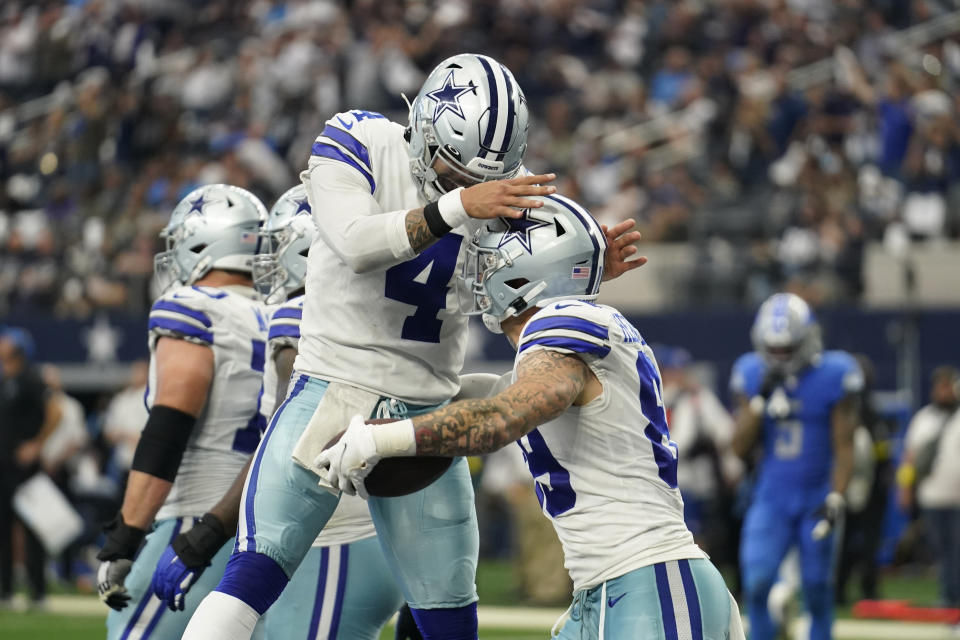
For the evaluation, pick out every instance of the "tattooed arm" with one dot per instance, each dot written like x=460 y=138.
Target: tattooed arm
x=418 y=233
x=548 y=382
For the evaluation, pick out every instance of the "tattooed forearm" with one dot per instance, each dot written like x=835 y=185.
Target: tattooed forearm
x=547 y=384
x=418 y=232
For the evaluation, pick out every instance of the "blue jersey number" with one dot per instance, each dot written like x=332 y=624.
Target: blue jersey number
x=423 y=282
x=245 y=440
x=651 y=402
x=554 y=492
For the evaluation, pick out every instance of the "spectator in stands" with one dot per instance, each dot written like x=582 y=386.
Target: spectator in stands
x=30 y=415
x=929 y=476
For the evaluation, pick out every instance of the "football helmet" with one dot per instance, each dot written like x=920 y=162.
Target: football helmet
x=786 y=334
x=280 y=267
x=551 y=253
x=471 y=114
x=215 y=227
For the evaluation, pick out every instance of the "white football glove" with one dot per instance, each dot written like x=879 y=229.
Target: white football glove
x=110 y=577
x=350 y=460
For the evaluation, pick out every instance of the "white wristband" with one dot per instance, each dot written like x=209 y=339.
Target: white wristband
x=451 y=208
x=395 y=438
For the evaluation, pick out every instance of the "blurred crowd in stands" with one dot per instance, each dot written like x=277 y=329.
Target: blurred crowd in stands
x=710 y=121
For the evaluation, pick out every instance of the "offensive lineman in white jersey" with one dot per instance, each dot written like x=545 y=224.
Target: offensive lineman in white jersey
x=206 y=338
x=585 y=407
x=381 y=335
x=343 y=588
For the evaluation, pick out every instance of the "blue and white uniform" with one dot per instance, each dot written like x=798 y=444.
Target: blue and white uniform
x=384 y=319
x=343 y=587
x=230 y=321
x=606 y=475
x=793 y=479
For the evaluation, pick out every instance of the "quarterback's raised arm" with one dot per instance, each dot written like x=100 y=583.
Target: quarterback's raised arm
x=352 y=224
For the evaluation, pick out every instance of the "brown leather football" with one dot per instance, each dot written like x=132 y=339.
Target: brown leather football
x=393 y=477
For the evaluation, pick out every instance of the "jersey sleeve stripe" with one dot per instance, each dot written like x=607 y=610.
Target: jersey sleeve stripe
x=284 y=331
x=179 y=329
x=295 y=313
x=173 y=307
x=567 y=322
x=349 y=143
x=568 y=344
x=179 y=317
x=325 y=150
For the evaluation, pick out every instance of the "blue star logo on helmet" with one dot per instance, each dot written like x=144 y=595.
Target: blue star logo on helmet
x=302 y=205
x=519 y=229
x=447 y=97
x=197 y=205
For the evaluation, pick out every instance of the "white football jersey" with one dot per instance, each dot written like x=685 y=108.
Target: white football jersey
x=606 y=473
x=351 y=520
x=233 y=323
x=394 y=331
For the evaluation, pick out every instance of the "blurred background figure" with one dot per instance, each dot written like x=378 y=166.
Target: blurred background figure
x=867 y=494
x=30 y=414
x=709 y=470
x=125 y=416
x=929 y=476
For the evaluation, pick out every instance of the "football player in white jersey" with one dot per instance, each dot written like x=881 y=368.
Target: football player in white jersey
x=381 y=334
x=343 y=588
x=207 y=334
x=585 y=408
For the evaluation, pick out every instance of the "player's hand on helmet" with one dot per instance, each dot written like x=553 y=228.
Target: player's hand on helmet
x=184 y=561
x=829 y=514
x=620 y=241
x=506 y=198
x=351 y=459
x=116 y=560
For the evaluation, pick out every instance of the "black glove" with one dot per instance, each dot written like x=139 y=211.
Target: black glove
x=771 y=380
x=185 y=559
x=116 y=559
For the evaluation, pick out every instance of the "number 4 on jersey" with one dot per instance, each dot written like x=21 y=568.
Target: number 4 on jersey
x=423 y=282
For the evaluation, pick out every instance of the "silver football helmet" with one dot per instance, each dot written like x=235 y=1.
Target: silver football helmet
x=786 y=334
x=471 y=114
x=551 y=253
x=215 y=227
x=280 y=267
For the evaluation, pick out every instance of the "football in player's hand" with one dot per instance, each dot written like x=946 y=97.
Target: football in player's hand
x=393 y=477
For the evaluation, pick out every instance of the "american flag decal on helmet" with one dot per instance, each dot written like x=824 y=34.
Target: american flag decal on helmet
x=580 y=273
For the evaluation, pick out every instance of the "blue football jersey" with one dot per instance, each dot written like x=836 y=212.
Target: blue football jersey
x=798 y=447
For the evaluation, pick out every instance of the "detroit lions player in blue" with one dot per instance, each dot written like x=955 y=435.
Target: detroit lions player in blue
x=585 y=406
x=800 y=403
x=207 y=334
x=381 y=335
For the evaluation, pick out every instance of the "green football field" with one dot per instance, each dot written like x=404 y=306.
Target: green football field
x=77 y=617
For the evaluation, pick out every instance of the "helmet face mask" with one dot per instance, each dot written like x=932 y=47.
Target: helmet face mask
x=471 y=115
x=280 y=267
x=214 y=227
x=552 y=253
x=786 y=334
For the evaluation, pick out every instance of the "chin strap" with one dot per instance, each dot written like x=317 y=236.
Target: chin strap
x=492 y=322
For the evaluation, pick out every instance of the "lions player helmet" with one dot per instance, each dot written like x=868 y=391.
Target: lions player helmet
x=786 y=334
x=215 y=227
x=280 y=268
x=471 y=114
x=551 y=253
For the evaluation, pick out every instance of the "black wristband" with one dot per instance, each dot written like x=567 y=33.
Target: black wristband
x=197 y=546
x=122 y=540
x=162 y=442
x=435 y=222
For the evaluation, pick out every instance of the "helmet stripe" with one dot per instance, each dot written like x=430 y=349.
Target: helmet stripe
x=510 y=113
x=487 y=145
x=596 y=270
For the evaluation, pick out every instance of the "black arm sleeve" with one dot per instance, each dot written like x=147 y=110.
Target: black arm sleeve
x=162 y=442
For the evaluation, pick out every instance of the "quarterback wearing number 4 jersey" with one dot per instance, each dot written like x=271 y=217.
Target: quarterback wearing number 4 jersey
x=585 y=407
x=381 y=336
